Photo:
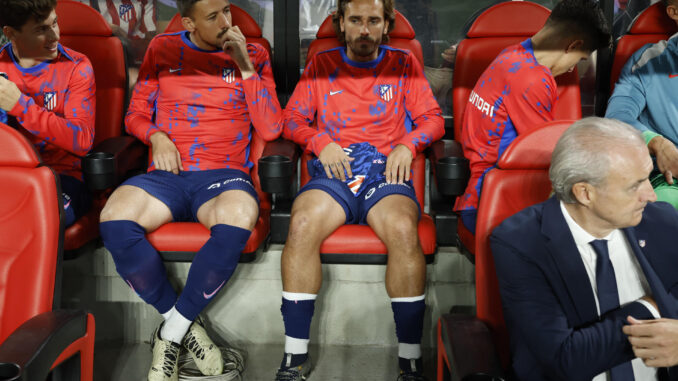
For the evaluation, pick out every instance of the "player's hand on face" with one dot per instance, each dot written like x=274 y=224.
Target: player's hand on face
x=336 y=162
x=667 y=157
x=398 y=165
x=166 y=157
x=234 y=44
x=9 y=94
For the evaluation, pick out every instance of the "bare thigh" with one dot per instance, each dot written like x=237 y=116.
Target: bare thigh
x=135 y=204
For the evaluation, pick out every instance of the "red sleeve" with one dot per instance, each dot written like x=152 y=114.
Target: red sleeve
x=74 y=132
x=260 y=95
x=138 y=121
x=300 y=113
x=427 y=123
x=532 y=102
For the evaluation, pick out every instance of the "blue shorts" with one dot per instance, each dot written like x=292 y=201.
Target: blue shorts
x=76 y=198
x=185 y=193
x=356 y=207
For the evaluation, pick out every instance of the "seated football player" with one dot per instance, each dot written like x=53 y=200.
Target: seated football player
x=374 y=112
x=199 y=92
x=47 y=92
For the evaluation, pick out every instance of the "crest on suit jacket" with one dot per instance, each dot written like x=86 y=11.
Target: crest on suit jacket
x=50 y=100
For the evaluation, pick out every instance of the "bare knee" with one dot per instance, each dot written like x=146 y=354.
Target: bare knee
x=305 y=222
x=241 y=214
x=119 y=207
x=134 y=204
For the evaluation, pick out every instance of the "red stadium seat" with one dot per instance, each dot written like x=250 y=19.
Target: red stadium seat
x=359 y=243
x=652 y=25
x=521 y=179
x=95 y=39
x=248 y=26
x=32 y=334
x=178 y=241
x=493 y=30
x=401 y=37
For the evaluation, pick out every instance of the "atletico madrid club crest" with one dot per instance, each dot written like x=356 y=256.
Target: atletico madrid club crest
x=50 y=100
x=228 y=75
x=125 y=11
x=386 y=92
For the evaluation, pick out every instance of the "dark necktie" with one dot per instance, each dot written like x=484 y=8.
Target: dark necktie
x=608 y=299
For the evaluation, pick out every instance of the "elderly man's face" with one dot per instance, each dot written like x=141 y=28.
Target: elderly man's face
x=619 y=202
x=363 y=26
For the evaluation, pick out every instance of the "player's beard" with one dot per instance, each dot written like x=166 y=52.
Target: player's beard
x=363 y=46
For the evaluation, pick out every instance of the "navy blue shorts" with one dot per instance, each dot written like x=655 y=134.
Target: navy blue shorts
x=76 y=198
x=185 y=193
x=357 y=207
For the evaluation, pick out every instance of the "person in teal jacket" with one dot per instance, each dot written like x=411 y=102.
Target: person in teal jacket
x=645 y=97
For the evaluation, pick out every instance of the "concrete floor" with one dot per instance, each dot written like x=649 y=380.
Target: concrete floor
x=352 y=332
x=331 y=362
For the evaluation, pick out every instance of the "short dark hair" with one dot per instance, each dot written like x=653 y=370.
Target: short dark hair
x=185 y=7
x=16 y=13
x=669 y=2
x=389 y=15
x=584 y=19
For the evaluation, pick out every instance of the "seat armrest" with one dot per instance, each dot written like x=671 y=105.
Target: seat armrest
x=106 y=164
x=450 y=167
x=277 y=166
x=470 y=349
x=32 y=348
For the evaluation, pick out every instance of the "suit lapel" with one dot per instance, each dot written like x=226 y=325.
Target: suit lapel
x=659 y=293
x=568 y=261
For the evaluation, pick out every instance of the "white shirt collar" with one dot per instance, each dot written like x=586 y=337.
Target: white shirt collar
x=581 y=236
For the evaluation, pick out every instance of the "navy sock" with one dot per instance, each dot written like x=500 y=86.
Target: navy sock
x=138 y=263
x=212 y=267
x=409 y=320
x=297 y=315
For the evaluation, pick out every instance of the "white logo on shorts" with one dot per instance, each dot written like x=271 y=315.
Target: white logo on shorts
x=217 y=185
x=370 y=193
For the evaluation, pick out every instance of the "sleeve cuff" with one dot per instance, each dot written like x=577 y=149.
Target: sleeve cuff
x=650 y=307
x=18 y=107
x=649 y=135
x=319 y=141
x=409 y=145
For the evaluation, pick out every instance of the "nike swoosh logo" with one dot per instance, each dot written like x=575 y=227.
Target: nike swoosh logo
x=673 y=75
x=208 y=296
x=336 y=92
x=175 y=70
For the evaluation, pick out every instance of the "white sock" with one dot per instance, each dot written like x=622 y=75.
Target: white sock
x=175 y=328
x=296 y=346
x=169 y=313
x=409 y=351
x=298 y=296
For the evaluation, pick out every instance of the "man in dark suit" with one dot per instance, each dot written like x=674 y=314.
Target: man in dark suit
x=572 y=269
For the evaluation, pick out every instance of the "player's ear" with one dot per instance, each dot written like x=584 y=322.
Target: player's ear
x=9 y=32
x=385 y=27
x=574 y=46
x=188 y=24
x=672 y=11
x=341 y=24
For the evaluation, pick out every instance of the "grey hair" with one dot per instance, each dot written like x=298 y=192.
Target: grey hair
x=583 y=153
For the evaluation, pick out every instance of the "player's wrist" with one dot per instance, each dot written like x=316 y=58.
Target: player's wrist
x=157 y=136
